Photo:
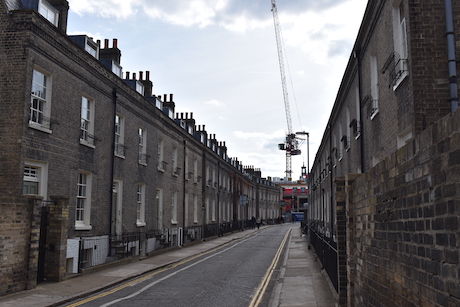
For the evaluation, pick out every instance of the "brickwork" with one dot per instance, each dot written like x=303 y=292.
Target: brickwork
x=405 y=224
x=28 y=42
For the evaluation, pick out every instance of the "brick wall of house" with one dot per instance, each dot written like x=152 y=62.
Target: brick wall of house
x=403 y=224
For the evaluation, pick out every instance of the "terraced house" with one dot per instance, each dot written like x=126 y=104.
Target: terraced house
x=93 y=166
x=385 y=201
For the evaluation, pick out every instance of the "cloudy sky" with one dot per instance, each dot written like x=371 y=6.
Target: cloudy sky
x=219 y=59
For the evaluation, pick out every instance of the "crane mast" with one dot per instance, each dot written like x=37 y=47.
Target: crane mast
x=290 y=145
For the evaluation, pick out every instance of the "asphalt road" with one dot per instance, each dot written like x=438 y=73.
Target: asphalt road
x=233 y=275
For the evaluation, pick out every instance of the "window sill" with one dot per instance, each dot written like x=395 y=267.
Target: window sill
x=161 y=169
x=400 y=80
x=83 y=227
x=119 y=156
x=140 y=224
x=142 y=163
x=39 y=127
x=374 y=114
x=87 y=144
x=173 y=222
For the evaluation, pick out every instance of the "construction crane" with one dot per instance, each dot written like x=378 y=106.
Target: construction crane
x=291 y=144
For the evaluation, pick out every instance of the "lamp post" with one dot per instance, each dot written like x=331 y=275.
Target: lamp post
x=308 y=186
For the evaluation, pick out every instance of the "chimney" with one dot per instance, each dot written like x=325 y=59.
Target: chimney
x=141 y=75
x=127 y=75
x=148 y=85
x=113 y=53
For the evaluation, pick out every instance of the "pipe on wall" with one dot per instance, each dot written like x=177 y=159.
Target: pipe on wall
x=452 y=62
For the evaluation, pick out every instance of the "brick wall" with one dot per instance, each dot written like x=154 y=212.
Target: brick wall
x=403 y=224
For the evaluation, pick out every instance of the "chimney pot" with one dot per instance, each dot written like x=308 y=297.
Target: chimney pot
x=165 y=97
x=141 y=75
x=171 y=97
x=127 y=75
x=106 y=43
x=115 y=43
x=147 y=75
x=134 y=75
x=191 y=115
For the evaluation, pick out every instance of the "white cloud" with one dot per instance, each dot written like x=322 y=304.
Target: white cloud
x=215 y=102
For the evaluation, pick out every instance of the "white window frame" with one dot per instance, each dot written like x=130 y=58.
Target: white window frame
x=87 y=122
x=83 y=202
x=49 y=12
x=195 y=209
x=400 y=41
x=119 y=136
x=142 y=146
x=41 y=177
x=116 y=69
x=160 y=156
x=174 y=207
x=140 y=205
x=195 y=171
x=40 y=100
x=159 y=199
x=175 y=169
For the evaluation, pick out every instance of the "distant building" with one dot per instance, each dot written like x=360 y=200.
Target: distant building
x=93 y=166
x=384 y=182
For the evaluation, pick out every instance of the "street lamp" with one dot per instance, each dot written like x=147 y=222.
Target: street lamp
x=308 y=186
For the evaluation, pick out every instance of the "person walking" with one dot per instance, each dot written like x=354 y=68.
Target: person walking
x=258 y=221
x=253 y=220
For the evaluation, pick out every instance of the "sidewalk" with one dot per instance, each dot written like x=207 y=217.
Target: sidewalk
x=300 y=282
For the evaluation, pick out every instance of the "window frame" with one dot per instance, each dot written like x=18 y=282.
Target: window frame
x=142 y=145
x=87 y=134
x=46 y=10
x=83 y=219
x=41 y=178
x=43 y=113
x=119 y=150
x=140 y=205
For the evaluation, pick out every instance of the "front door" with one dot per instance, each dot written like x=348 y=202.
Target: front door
x=117 y=208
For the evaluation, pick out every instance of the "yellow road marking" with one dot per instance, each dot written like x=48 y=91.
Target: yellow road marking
x=140 y=279
x=266 y=279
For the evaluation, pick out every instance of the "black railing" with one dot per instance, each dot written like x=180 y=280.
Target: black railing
x=326 y=250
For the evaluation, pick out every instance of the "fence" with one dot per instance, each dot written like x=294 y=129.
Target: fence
x=95 y=251
x=326 y=250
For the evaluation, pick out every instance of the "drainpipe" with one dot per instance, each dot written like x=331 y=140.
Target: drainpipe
x=112 y=164
x=452 y=63
x=184 y=194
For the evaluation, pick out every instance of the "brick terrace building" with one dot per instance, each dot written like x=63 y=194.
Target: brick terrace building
x=384 y=216
x=94 y=167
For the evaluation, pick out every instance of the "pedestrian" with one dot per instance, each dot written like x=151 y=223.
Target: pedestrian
x=258 y=221
x=253 y=221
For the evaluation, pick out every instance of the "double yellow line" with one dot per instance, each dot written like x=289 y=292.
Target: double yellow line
x=258 y=295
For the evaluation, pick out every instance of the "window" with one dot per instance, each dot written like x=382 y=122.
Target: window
x=40 y=101
x=397 y=64
x=140 y=205
x=175 y=169
x=49 y=12
x=195 y=209
x=31 y=180
x=142 y=146
x=174 y=208
x=160 y=156
x=87 y=122
x=119 y=137
x=116 y=68
x=346 y=142
x=355 y=126
x=139 y=87
x=159 y=198
x=195 y=171
x=35 y=178
x=83 y=207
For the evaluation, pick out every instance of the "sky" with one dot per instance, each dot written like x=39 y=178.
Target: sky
x=219 y=59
